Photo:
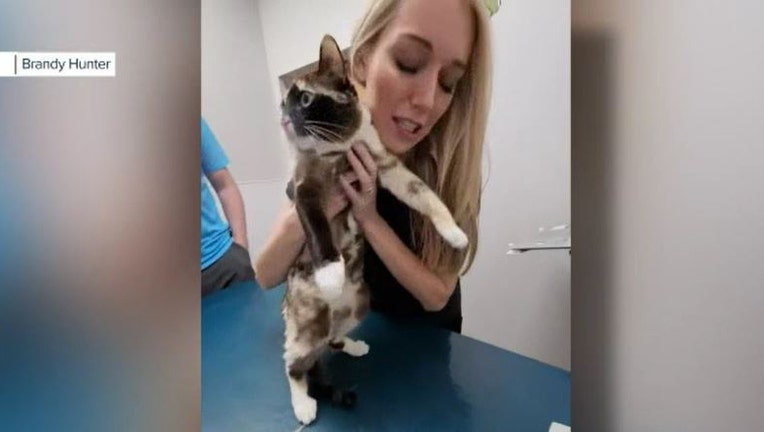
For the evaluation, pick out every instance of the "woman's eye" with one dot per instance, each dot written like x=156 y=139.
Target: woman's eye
x=447 y=88
x=306 y=98
x=405 y=68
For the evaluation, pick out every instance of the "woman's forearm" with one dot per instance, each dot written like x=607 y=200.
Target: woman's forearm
x=432 y=290
x=280 y=250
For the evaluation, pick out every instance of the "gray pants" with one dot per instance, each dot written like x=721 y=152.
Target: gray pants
x=234 y=266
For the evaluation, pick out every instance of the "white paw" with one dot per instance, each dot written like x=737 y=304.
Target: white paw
x=356 y=348
x=330 y=278
x=304 y=408
x=455 y=236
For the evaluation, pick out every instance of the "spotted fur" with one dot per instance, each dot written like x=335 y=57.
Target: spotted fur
x=326 y=296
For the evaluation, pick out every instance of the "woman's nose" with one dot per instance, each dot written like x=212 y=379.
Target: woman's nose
x=424 y=92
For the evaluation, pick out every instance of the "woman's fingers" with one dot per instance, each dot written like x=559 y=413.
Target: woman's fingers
x=350 y=176
x=362 y=152
x=359 y=169
x=350 y=191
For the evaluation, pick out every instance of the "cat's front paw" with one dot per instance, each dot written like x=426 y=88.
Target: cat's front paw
x=454 y=236
x=305 y=408
x=450 y=231
x=330 y=278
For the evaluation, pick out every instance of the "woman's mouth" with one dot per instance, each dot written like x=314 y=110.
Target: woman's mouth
x=407 y=127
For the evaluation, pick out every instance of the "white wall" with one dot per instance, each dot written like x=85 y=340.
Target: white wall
x=239 y=106
x=521 y=303
x=292 y=30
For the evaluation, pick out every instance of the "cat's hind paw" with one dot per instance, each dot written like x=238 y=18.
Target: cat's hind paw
x=330 y=279
x=355 y=348
x=305 y=408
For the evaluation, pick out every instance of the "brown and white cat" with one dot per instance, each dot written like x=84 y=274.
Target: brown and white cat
x=326 y=296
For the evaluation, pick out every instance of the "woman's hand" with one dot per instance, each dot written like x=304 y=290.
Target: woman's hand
x=363 y=199
x=338 y=201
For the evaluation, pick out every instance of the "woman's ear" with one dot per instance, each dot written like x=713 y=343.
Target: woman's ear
x=359 y=68
x=359 y=89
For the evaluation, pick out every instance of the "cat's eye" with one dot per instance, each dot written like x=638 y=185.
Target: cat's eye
x=306 y=98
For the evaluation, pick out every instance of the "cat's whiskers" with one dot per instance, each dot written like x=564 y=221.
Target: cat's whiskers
x=332 y=132
x=316 y=134
x=327 y=134
x=315 y=124
x=323 y=123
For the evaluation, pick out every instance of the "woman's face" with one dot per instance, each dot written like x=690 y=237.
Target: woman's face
x=411 y=72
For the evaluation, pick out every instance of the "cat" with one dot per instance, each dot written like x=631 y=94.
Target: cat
x=326 y=296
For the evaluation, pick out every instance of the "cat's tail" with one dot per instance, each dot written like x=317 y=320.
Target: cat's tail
x=320 y=388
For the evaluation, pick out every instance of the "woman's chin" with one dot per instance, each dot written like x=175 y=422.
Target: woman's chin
x=395 y=145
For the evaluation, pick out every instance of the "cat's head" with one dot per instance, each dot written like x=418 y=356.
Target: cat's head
x=320 y=111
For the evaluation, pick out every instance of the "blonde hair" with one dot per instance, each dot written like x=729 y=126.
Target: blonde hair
x=449 y=160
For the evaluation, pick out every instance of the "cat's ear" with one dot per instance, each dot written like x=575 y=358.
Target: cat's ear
x=330 y=58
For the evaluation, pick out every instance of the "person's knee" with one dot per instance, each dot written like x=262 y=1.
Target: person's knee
x=245 y=272
x=243 y=265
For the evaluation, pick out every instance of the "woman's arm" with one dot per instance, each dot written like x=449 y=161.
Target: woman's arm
x=431 y=289
x=280 y=250
x=287 y=240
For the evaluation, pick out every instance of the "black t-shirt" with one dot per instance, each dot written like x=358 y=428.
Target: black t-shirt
x=390 y=297
x=387 y=295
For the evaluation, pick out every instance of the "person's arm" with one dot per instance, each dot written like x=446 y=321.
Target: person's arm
x=285 y=242
x=233 y=204
x=280 y=250
x=431 y=289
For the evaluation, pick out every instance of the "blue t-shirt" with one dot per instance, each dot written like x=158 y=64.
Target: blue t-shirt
x=216 y=236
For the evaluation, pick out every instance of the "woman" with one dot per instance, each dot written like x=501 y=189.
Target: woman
x=422 y=67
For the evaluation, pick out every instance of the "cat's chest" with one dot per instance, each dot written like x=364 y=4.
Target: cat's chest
x=324 y=168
